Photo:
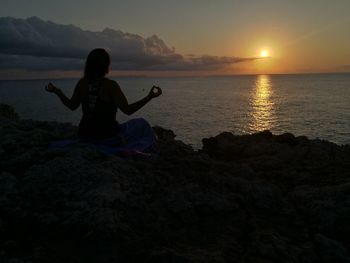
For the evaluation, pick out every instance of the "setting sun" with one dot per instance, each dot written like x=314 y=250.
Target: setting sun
x=264 y=53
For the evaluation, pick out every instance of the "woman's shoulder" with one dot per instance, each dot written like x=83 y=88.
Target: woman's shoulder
x=107 y=81
x=82 y=81
x=111 y=83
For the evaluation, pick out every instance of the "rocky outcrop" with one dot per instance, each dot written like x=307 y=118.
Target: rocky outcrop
x=251 y=198
x=6 y=111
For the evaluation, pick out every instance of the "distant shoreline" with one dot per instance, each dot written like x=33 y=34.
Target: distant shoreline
x=193 y=76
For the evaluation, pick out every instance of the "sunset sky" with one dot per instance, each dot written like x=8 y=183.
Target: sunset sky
x=163 y=37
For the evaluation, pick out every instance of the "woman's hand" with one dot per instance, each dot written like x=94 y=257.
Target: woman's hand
x=51 y=88
x=72 y=103
x=154 y=92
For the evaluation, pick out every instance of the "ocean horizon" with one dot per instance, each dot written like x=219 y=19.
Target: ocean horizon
x=179 y=76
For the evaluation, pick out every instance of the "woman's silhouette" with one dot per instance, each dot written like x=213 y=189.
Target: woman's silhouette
x=100 y=98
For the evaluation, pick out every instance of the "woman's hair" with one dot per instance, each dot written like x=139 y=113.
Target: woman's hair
x=97 y=64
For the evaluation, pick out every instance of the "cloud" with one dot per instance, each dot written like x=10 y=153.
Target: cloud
x=10 y=62
x=34 y=44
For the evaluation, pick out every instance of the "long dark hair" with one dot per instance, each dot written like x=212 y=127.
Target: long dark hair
x=97 y=64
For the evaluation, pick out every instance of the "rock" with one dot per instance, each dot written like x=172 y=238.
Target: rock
x=6 y=111
x=164 y=134
x=286 y=138
x=331 y=250
x=250 y=198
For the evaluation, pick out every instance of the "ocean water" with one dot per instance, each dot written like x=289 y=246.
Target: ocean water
x=315 y=105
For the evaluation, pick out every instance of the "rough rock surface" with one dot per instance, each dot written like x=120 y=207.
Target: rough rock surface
x=254 y=198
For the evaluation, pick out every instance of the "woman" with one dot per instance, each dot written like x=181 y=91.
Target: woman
x=100 y=98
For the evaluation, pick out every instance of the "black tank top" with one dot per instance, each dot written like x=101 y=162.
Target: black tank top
x=99 y=117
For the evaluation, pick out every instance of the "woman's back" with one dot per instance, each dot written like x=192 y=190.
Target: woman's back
x=99 y=111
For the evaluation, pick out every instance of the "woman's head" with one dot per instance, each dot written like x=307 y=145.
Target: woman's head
x=97 y=64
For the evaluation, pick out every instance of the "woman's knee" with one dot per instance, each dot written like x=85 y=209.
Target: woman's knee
x=138 y=123
x=142 y=122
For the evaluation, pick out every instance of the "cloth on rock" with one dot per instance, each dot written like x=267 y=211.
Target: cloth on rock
x=135 y=136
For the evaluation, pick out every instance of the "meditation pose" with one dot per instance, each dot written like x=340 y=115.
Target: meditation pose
x=100 y=98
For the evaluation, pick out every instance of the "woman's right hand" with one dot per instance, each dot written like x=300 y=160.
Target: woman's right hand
x=154 y=92
x=50 y=88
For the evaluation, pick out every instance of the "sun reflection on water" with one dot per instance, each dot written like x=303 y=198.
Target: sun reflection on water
x=262 y=107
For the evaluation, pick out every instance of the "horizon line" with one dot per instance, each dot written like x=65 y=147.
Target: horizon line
x=186 y=76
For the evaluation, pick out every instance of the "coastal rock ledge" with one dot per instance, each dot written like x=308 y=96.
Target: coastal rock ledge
x=252 y=198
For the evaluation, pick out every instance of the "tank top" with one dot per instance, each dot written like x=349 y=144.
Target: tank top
x=99 y=117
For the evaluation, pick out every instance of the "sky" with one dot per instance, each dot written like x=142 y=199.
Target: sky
x=163 y=37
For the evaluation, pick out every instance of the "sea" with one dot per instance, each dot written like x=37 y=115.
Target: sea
x=312 y=105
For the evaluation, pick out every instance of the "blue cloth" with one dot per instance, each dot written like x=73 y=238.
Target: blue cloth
x=135 y=136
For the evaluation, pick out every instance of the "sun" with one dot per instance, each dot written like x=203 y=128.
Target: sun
x=264 y=53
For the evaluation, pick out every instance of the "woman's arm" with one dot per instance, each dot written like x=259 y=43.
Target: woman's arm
x=121 y=102
x=72 y=103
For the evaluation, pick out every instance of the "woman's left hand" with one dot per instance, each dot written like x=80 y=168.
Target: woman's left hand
x=155 y=92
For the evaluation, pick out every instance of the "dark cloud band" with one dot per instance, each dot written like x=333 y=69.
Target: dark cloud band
x=35 y=44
